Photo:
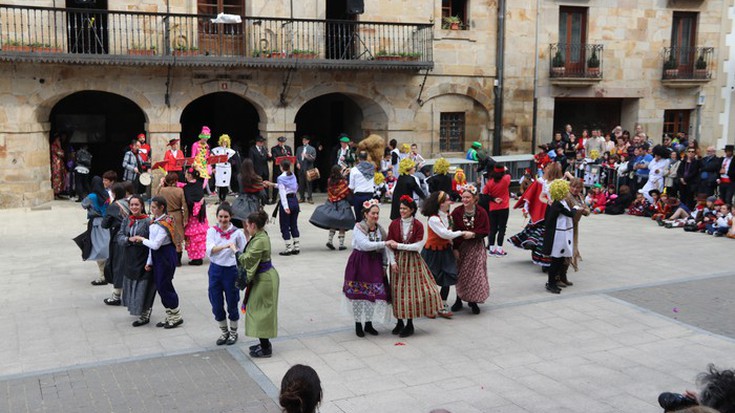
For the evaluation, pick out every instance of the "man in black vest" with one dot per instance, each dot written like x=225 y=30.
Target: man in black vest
x=726 y=178
x=279 y=150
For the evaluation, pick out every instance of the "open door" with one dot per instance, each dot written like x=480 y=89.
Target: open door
x=340 y=35
x=86 y=27
x=217 y=38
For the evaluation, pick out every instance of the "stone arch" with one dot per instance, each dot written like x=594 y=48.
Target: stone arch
x=456 y=89
x=48 y=98
x=259 y=101
x=376 y=110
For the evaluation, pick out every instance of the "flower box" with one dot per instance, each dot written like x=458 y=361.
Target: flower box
x=302 y=55
x=17 y=48
x=142 y=52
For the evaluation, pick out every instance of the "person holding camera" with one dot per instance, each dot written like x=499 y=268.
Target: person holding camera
x=717 y=392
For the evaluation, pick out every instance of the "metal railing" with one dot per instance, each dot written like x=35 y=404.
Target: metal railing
x=119 y=33
x=569 y=60
x=687 y=63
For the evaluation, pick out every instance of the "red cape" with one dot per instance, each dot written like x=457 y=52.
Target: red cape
x=536 y=208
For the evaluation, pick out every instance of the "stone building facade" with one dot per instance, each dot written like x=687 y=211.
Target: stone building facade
x=440 y=96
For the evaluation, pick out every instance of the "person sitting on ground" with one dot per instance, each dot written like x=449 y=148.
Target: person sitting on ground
x=301 y=390
x=639 y=206
x=618 y=205
x=707 y=215
x=723 y=220
x=596 y=199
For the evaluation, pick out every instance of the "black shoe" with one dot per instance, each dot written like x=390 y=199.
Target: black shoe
x=99 y=282
x=457 y=306
x=173 y=324
x=253 y=348
x=232 y=339
x=398 y=328
x=112 y=301
x=330 y=246
x=161 y=324
x=295 y=252
x=223 y=338
x=552 y=288
x=141 y=322
x=342 y=248
x=285 y=253
x=195 y=262
x=370 y=330
x=475 y=308
x=407 y=331
x=261 y=353
x=358 y=330
x=302 y=200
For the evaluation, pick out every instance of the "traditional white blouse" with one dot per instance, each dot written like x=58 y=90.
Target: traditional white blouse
x=224 y=257
x=440 y=226
x=157 y=237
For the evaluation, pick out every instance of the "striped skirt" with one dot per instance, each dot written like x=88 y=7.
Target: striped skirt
x=413 y=288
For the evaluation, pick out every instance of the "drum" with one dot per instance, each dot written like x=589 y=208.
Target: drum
x=312 y=174
x=146 y=178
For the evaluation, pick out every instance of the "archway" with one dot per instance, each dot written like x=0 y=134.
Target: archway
x=103 y=121
x=324 y=118
x=224 y=113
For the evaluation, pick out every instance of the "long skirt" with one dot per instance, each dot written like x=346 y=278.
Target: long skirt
x=138 y=295
x=244 y=205
x=116 y=263
x=532 y=238
x=100 y=241
x=413 y=288
x=472 y=283
x=196 y=235
x=442 y=264
x=333 y=215
x=366 y=287
x=261 y=317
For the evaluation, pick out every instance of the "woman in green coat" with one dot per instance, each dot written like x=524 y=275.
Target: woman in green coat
x=261 y=299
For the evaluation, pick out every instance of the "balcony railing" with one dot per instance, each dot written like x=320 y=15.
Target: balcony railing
x=581 y=61
x=688 y=63
x=100 y=36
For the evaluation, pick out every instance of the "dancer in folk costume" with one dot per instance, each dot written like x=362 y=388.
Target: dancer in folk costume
x=252 y=194
x=115 y=267
x=472 y=284
x=196 y=224
x=200 y=153
x=288 y=209
x=255 y=270
x=534 y=202
x=178 y=209
x=58 y=171
x=413 y=290
x=224 y=241
x=559 y=235
x=223 y=170
x=335 y=214
x=162 y=261
x=365 y=284
x=576 y=198
x=437 y=252
x=96 y=204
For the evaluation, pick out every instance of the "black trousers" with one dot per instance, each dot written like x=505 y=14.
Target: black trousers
x=222 y=191
x=498 y=223
x=304 y=185
x=726 y=192
x=81 y=184
x=557 y=269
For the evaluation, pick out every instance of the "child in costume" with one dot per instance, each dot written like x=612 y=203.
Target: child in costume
x=390 y=183
x=459 y=181
x=722 y=222
x=200 y=153
x=639 y=206
x=335 y=214
x=381 y=189
x=559 y=234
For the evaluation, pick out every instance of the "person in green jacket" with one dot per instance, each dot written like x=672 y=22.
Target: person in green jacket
x=257 y=273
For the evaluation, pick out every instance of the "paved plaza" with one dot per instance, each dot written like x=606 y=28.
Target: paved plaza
x=650 y=308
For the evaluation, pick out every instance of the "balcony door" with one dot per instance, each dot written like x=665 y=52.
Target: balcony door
x=573 y=37
x=221 y=39
x=86 y=26
x=341 y=35
x=683 y=34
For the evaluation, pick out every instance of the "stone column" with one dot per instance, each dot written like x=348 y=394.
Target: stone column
x=25 y=165
x=158 y=136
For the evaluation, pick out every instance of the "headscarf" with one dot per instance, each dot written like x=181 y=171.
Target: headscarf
x=367 y=169
x=98 y=188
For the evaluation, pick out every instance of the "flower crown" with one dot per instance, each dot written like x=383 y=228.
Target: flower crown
x=370 y=203
x=469 y=188
x=406 y=198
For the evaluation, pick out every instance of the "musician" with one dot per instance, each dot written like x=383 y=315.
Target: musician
x=144 y=152
x=305 y=157
x=281 y=149
x=171 y=156
x=345 y=156
x=133 y=166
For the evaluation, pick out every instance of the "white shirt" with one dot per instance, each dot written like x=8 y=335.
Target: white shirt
x=358 y=183
x=157 y=237
x=725 y=166
x=224 y=257
x=656 y=169
x=405 y=227
x=440 y=226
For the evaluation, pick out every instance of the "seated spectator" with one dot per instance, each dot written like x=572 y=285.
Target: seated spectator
x=618 y=205
x=639 y=206
x=301 y=390
x=722 y=221
x=596 y=200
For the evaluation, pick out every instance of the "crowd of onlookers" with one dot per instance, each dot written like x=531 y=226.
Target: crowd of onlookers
x=675 y=182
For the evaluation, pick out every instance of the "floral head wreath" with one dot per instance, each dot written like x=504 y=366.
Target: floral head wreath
x=469 y=188
x=370 y=203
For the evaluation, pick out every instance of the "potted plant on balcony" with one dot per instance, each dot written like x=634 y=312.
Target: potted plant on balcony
x=700 y=68
x=410 y=56
x=385 y=55
x=45 y=48
x=186 y=51
x=558 y=68
x=671 y=67
x=16 y=46
x=304 y=54
x=451 y=22
x=593 y=64
x=137 y=50
x=277 y=54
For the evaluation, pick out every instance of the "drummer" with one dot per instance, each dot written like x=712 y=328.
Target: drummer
x=305 y=157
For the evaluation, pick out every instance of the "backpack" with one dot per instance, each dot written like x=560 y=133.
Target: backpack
x=84 y=158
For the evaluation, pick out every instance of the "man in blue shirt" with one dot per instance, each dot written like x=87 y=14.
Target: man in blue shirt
x=640 y=165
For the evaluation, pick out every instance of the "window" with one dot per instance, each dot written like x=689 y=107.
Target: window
x=573 y=36
x=683 y=33
x=455 y=8
x=451 y=131
x=676 y=121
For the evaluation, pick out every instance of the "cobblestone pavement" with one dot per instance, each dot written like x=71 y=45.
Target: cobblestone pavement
x=600 y=346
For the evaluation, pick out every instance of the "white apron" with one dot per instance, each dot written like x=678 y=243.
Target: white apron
x=222 y=171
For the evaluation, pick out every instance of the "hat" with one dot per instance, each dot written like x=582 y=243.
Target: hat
x=711 y=198
x=344 y=139
x=141 y=135
x=281 y=139
x=172 y=141
x=205 y=133
x=730 y=148
x=719 y=202
x=476 y=145
x=654 y=191
x=260 y=139
x=499 y=168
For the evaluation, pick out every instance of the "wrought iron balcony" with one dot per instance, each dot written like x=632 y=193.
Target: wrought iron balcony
x=575 y=62
x=687 y=64
x=67 y=35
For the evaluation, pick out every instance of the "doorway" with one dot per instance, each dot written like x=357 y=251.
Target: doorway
x=86 y=27
x=340 y=39
x=587 y=114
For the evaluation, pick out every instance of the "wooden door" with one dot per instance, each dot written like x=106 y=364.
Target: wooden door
x=683 y=34
x=573 y=37
x=221 y=39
